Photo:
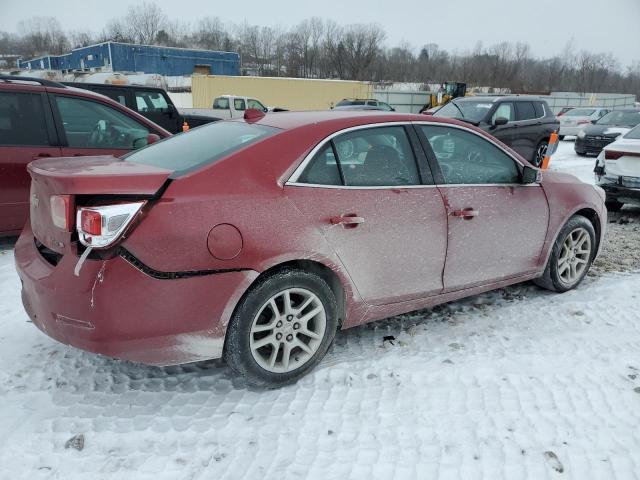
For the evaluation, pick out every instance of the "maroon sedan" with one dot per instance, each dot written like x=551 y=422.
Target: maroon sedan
x=256 y=239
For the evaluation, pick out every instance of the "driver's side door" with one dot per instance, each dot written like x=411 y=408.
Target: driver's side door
x=86 y=127
x=496 y=224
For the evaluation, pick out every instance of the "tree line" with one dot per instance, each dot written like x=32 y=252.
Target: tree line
x=320 y=48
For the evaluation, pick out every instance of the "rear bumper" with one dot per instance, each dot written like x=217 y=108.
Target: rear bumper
x=620 y=190
x=115 y=309
x=592 y=145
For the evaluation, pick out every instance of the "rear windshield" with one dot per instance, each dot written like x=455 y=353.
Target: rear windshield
x=201 y=146
x=627 y=119
x=221 y=103
x=580 y=112
x=344 y=103
x=634 y=134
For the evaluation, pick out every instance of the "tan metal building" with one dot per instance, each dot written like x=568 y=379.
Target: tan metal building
x=289 y=93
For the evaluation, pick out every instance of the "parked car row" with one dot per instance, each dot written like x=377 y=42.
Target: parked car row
x=42 y=119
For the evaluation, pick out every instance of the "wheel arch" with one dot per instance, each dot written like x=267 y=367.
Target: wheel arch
x=591 y=215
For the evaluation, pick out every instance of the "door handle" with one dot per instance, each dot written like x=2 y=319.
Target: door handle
x=465 y=213
x=347 y=220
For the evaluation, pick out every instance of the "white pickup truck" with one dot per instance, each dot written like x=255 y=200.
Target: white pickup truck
x=232 y=106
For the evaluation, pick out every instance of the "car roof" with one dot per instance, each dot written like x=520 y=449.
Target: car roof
x=492 y=99
x=343 y=118
x=112 y=85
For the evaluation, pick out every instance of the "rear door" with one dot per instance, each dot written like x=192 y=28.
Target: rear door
x=89 y=127
x=362 y=190
x=497 y=225
x=26 y=134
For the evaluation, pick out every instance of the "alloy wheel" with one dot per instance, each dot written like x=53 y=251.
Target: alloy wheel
x=541 y=151
x=288 y=330
x=574 y=256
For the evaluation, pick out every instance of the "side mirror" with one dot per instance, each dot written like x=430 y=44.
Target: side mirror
x=500 y=121
x=144 y=141
x=152 y=138
x=531 y=175
x=393 y=109
x=171 y=110
x=594 y=122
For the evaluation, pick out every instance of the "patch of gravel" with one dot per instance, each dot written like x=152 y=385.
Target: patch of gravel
x=621 y=249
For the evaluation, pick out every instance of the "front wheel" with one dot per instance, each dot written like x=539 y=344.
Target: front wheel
x=281 y=328
x=540 y=152
x=571 y=256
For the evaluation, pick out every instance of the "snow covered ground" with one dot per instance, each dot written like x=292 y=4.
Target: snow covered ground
x=514 y=384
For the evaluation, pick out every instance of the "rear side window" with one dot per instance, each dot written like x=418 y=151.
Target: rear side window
x=113 y=95
x=525 y=111
x=151 y=102
x=371 y=157
x=200 y=146
x=22 y=120
x=221 y=103
x=238 y=104
x=539 y=109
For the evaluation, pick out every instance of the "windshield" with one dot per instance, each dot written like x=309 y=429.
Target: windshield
x=580 y=112
x=620 y=118
x=634 y=134
x=203 y=145
x=221 y=103
x=474 y=111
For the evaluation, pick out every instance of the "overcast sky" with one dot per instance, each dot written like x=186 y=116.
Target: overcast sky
x=547 y=25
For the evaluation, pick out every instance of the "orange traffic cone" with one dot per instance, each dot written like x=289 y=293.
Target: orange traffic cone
x=185 y=126
x=551 y=149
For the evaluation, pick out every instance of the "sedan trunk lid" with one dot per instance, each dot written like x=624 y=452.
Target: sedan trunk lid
x=79 y=178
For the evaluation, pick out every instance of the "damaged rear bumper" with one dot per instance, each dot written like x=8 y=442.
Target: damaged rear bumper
x=621 y=189
x=116 y=309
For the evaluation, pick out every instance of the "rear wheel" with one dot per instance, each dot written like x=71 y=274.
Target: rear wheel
x=571 y=255
x=613 y=205
x=281 y=328
x=540 y=152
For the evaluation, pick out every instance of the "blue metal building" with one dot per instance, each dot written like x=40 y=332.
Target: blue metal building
x=126 y=57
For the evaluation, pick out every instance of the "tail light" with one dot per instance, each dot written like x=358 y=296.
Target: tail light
x=61 y=213
x=612 y=154
x=100 y=227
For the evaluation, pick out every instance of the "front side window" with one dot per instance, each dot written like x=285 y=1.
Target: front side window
x=504 y=110
x=580 y=112
x=89 y=124
x=200 y=146
x=151 y=102
x=467 y=158
x=22 y=120
x=371 y=157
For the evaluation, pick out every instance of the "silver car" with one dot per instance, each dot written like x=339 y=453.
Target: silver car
x=577 y=118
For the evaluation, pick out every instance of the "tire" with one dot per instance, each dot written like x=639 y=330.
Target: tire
x=539 y=153
x=560 y=137
x=613 y=205
x=256 y=331
x=555 y=275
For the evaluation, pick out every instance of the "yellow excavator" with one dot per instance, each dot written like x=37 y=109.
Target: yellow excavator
x=447 y=92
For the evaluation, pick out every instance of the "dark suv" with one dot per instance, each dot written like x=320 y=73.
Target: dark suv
x=150 y=102
x=40 y=118
x=523 y=123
